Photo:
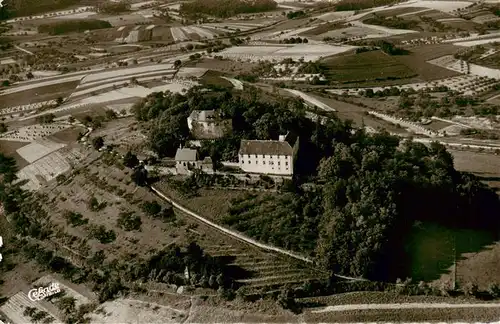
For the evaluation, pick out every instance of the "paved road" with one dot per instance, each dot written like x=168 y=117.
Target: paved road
x=343 y=308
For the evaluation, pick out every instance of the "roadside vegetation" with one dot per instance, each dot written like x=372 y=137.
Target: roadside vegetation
x=113 y=8
x=72 y=26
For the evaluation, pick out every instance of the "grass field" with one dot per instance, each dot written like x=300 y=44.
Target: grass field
x=323 y=28
x=433 y=249
x=212 y=204
x=9 y=148
x=368 y=66
x=213 y=78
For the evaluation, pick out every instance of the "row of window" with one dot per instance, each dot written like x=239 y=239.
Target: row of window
x=264 y=156
x=264 y=162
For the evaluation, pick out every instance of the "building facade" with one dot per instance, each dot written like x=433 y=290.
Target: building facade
x=205 y=124
x=266 y=157
x=186 y=159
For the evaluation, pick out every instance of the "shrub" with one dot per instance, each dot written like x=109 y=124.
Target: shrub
x=95 y=206
x=129 y=222
x=75 y=219
x=102 y=235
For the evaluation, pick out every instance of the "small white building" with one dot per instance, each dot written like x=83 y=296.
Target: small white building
x=267 y=156
x=205 y=124
x=187 y=160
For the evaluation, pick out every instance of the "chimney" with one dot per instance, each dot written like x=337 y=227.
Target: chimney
x=282 y=138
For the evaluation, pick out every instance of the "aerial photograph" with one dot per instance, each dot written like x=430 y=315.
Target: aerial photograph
x=249 y=161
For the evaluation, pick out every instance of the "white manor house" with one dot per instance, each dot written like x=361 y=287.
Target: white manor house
x=267 y=156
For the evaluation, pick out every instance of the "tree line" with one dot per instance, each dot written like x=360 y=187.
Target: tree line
x=225 y=8
x=70 y=26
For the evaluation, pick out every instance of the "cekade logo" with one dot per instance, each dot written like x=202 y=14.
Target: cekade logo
x=44 y=292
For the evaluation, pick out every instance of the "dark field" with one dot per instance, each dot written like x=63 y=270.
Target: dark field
x=368 y=66
x=9 y=148
x=38 y=94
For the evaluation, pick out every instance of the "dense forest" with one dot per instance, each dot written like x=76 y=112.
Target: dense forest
x=363 y=193
x=72 y=26
x=225 y=8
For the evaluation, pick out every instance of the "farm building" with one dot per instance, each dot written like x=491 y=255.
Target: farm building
x=187 y=159
x=267 y=156
x=205 y=124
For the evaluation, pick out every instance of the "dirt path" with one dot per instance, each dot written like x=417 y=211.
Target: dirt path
x=342 y=308
x=23 y=50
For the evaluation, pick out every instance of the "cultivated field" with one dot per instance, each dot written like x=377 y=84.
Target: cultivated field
x=368 y=66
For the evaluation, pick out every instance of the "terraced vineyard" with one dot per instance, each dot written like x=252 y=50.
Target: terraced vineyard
x=265 y=271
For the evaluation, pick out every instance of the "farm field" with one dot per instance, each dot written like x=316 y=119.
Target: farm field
x=417 y=58
x=432 y=249
x=368 y=66
x=358 y=115
x=37 y=94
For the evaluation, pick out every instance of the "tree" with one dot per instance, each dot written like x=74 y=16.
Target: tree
x=3 y=128
x=286 y=300
x=470 y=289
x=129 y=222
x=59 y=101
x=494 y=290
x=29 y=75
x=110 y=114
x=67 y=304
x=98 y=142
x=46 y=119
x=152 y=208
x=130 y=160
x=177 y=64
x=140 y=176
